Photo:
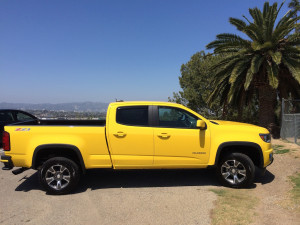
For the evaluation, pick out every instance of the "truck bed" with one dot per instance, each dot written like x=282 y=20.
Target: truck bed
x=99 y=123
x=88 y=136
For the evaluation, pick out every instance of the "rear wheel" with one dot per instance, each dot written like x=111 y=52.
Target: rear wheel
x=59 y=175
x=236 y=170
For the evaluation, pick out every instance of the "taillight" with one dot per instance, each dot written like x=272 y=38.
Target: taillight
x=6 y=141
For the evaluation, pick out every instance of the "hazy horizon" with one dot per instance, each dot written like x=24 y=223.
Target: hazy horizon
x=4 y=102
x=70 y=106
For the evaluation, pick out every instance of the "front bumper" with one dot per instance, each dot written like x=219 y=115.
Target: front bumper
x=262 y=170
x=8 y=164
x=271 y=159
x=268 y=157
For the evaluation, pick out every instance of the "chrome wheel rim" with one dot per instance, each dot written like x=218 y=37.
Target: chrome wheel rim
x=58 y=177
x=233 y=171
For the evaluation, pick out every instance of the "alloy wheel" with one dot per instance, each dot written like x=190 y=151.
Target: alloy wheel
x=233 y=171
x=58 y=177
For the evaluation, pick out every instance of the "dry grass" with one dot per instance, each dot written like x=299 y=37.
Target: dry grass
x=292 y=200
x=296 y=190
x=278 y=149
x=234 y=207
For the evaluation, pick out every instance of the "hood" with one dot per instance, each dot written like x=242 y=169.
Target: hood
x=223 y=122
x=230 y=126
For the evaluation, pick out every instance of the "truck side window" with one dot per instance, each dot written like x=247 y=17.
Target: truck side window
x=133 y=115
x=176 y=118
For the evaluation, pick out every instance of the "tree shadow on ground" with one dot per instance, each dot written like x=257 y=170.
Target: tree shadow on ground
x=105 y=179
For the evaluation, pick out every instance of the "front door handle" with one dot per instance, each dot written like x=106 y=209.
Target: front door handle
x=120 y=134
x=164 y=135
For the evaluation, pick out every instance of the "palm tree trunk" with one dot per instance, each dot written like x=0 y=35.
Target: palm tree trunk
x=225 y=110
x=267 y=99
x=240 y=113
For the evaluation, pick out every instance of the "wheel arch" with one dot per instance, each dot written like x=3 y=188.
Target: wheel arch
x=54 y=150
x=251 y=149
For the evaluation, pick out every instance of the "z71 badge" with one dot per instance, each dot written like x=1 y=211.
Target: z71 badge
x=22 y=129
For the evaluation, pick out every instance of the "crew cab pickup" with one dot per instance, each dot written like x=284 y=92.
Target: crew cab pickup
x=136 y=135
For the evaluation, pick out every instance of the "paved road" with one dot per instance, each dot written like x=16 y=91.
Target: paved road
x=111 y=197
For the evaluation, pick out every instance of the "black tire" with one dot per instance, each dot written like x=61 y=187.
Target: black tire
x=59 y=175
x=236 y=170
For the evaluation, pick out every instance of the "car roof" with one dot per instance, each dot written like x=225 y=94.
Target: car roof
x=12 y=110
x=145 y=103
x=17 y=110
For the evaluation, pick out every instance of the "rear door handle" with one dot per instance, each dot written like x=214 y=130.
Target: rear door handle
x=120 y=134
x=164 y=135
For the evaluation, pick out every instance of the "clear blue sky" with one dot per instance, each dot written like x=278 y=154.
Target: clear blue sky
x=60 y=51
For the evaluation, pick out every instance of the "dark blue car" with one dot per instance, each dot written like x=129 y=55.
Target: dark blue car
x=9 y=116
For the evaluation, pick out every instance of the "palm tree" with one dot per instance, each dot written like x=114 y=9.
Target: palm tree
x=267 y=63
x=295 y=6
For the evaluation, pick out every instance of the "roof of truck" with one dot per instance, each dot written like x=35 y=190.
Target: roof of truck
x=144 y=103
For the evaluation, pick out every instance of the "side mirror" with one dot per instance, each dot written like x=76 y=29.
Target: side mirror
x=201 y=124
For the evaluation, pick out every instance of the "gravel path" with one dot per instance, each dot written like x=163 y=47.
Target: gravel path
x=145 y=197
x=108 y=197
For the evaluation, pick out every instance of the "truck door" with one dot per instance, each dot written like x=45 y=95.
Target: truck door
x=130 y=137
x=177 y=140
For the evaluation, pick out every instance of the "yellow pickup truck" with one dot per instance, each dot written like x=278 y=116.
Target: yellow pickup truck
x=136 y=135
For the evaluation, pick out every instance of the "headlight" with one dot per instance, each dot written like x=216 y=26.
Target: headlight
x=265 y=137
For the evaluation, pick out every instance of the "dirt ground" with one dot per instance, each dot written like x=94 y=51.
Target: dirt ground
x=112 y=198
x=276 y=206
x=146 y=197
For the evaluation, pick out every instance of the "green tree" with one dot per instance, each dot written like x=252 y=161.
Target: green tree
x=266 y=64
x=195 y=83
x=295 y=6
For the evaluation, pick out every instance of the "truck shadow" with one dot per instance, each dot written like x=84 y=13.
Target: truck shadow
x=105 y=179
x=267 y=178
x=147 y=178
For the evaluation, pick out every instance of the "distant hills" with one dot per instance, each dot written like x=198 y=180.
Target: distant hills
x=71 y=107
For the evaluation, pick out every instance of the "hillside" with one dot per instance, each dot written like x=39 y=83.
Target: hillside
x=77 y=106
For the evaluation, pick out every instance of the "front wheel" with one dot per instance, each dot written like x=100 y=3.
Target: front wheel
x=59 y=175
x=236 y=170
